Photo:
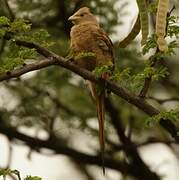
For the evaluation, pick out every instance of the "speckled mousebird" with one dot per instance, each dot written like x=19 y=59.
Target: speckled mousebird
x=87 y=37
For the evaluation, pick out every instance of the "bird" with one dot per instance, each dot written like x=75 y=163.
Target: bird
x=92 y=48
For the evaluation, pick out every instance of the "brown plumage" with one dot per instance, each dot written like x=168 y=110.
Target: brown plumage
x=87 y=37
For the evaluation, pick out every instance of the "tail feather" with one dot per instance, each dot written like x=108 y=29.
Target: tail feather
x=101 y=117
x=100 y=108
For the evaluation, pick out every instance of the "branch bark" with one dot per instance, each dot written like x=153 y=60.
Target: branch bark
x=53 y=59
x=129 y=147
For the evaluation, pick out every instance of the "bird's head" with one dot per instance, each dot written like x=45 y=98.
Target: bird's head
x=83 y=15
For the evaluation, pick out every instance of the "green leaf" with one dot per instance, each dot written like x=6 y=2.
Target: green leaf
x=84 y=55
x=172 y=115
x=118 y=76
x=160 y=72
x=39 y=37
x=33 y=178
x=12 y=63
x=4 y=20
x=103 y=69
x=20 y=25
x=2 y=32
x=171 y=48
x=26 y=53
x=150 y=44
x=5 y=172
x=173 y=26
x=152 y=7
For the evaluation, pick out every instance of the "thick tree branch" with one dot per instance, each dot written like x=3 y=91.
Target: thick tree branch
x=55 y=145
x=129 y=147
x=54 y=59
x=27 y=68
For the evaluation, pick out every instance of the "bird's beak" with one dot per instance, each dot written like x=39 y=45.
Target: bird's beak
x=72 y=18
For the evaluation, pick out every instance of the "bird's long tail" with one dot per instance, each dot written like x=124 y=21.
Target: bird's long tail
x=100 y=108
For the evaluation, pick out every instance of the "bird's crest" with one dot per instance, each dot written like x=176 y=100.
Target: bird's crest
x=83 y=10
x=83 y=15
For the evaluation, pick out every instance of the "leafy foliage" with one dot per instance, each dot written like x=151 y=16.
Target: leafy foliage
x=39 y=37
x=32 y=178
x=84 y=55
x=8 y=172
x=102 y=70
x=150 y=44
x=173 y=28
x=155 y=73
x=20 y=29
x=5 y=172
x=152 y=7
x=16 y=57
x=172 y=114
x=19 y=25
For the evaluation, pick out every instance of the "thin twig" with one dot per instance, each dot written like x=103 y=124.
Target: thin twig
x=171 y=10
x=9 y=154
x=12 y=17
x=18 y=175
x=84 y=170
x=3 y=44
x=161 y=101
x=148 y=80
x=154 y=140
x=11 y=14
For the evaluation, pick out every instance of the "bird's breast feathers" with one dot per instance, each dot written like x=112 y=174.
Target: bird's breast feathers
x=90 y=38
x=82 y=36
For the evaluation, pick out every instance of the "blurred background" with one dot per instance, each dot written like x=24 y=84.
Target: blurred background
x=53 y=104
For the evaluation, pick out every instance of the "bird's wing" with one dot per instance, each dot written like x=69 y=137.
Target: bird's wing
x=105 y=43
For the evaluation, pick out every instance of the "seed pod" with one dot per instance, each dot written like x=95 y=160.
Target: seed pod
x=143 y=20
x=131 y=36
x=161 y=23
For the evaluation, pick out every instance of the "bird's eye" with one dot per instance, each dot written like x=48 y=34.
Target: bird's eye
x=82 y=15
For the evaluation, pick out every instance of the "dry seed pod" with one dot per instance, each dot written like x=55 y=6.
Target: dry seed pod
x=131 y=36
x=143 y=20
x=161 y=23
